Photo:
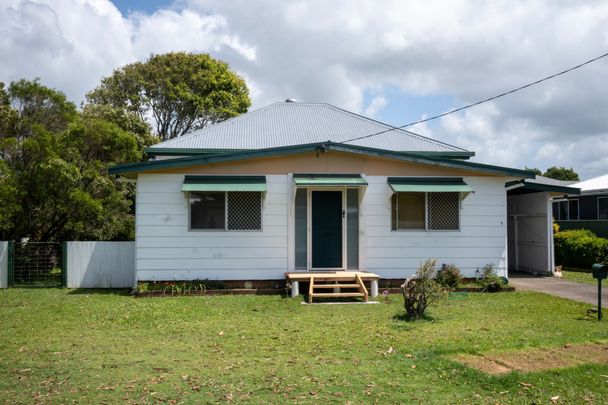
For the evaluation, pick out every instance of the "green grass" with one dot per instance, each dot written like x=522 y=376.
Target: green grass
x=579 y=277
x=58 y=346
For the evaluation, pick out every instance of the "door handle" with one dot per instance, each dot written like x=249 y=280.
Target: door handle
x=343 y=212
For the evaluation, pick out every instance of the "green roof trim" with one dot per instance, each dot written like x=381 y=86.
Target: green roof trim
x=544 y=187
x=224 y=183
x=429 y=184
x=329 y=180
x=454 y=155
x=152 y=151
x=413 y=157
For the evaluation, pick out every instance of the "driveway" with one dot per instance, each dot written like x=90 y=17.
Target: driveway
x=557 y=286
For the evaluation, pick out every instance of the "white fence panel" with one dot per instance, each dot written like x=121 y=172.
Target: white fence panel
x=3 y=264
x=101 y=264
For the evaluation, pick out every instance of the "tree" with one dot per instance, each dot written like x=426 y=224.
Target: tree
x=562 y=173
x=53 y=172
x=181 y=91
x=534 y=170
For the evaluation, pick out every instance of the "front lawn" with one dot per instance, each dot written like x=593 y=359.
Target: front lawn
x=61 y=346
x=579 y=277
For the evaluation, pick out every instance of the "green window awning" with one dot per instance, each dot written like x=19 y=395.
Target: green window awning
x=224 y=183
x=429 y=184
x=329 y=180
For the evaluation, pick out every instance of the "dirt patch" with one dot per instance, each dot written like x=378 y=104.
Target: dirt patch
x=537 y=359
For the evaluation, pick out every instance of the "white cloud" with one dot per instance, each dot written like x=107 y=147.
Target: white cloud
x=377 y=104
x=315 y=50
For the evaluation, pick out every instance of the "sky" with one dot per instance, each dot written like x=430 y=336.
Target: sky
x=392 y=60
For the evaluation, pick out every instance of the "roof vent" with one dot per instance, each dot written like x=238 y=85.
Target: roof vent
x=290 y=100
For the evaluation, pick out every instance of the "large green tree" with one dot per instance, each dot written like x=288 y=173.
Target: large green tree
x=562 y=173
x=53 y=167
x=180 y=91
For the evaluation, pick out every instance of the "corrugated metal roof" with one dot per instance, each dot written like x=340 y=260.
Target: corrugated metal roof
x=292 y=123
x=593 y=185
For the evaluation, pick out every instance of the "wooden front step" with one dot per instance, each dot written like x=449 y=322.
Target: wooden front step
x=339 y=295
x=336 y=285
x=353 y=282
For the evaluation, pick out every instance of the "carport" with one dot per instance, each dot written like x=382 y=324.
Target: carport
x=530 y=223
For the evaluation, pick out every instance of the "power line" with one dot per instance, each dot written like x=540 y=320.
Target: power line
x=525 y=86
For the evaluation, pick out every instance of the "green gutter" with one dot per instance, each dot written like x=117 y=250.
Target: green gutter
x=152 y=151
x=453 y=155
x=319 y=148
x=544 y=187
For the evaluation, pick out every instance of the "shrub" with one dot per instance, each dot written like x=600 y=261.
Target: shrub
x=449 y=276
x=421 y=290
x=555 y=227
x=490 y=281
x=580 y=248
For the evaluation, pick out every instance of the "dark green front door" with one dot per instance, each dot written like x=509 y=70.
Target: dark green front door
x=327 y=229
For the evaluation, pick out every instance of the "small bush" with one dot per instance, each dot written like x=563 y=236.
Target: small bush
x=580 y=248
x=421 y=290
x=490 y=281
x=449 y=276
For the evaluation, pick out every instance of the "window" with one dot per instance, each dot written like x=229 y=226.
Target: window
x=408 y=210
x=444 y=211
x=602 y=208
x=232 y=211
x=573 y=210
x=429 y=211
x=565 y=210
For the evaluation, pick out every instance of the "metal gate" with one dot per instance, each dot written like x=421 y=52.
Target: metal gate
x=36 y=264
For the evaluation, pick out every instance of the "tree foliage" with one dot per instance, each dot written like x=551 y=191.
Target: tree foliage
x=53 y=171
x=535 y=170
x=181 y=91
x=562 y=173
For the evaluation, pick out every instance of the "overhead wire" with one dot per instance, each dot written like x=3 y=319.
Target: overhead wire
x=525 y=86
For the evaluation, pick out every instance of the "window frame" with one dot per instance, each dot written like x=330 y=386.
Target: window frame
x=426 y=214
x=598 y=209
x=578 y=209
x=225 y=229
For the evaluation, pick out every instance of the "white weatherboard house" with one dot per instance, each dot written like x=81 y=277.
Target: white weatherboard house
x=286 y=189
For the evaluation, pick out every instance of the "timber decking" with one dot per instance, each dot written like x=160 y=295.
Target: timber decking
x=352 y=281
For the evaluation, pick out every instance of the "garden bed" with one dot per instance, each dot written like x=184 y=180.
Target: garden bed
x=227 y=291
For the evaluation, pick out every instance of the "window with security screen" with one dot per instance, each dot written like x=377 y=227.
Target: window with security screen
x=244 y=211
x=425 y=211
x=226 y=210
x=443 y=211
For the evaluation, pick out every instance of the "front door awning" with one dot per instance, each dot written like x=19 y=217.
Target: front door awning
x=224 y=183
x=429 y=184
x=329 y=180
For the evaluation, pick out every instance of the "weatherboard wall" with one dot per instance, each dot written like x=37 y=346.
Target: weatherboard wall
x=481 y=239
x=167 y=250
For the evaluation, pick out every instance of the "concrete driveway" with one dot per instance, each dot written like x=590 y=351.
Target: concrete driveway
x=558 y=286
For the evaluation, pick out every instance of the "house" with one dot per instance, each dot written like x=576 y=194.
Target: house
x=302 y=187
x=589 y=210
